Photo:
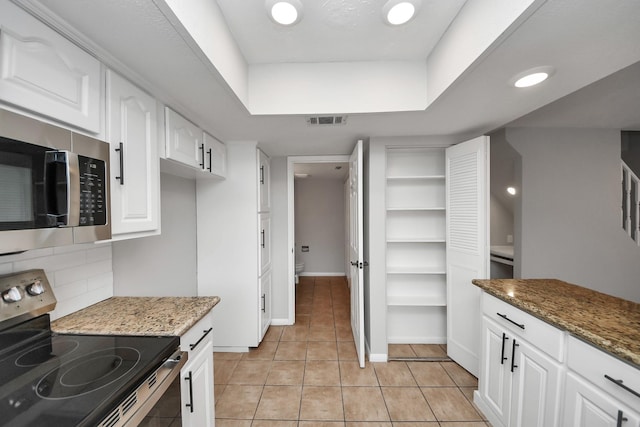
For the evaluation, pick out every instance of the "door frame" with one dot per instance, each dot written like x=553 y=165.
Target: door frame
x=291 y=261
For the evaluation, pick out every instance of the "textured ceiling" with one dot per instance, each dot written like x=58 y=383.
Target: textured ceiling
x=337 y=30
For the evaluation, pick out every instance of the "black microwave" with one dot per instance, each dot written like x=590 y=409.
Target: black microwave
x=53 y=186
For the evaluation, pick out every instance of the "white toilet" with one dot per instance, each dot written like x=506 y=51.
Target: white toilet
x=299 y=269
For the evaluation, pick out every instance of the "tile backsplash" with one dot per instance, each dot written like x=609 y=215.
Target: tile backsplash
x=80 y=275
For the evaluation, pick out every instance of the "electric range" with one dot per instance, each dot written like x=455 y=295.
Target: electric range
x=49 y=379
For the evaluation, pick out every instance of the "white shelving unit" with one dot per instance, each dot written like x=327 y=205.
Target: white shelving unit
x=415 y=238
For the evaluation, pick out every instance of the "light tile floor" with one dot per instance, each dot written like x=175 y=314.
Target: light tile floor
x=307 y=375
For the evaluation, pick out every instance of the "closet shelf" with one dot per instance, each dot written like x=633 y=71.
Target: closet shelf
x=417 y=209
x=415 y=240
x=417 y=301
x=414 y=177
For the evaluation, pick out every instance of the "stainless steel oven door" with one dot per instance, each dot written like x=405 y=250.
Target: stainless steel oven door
x=137 y=405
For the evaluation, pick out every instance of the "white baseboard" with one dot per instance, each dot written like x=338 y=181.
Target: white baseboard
x=308 y=273
x=380 y=357
x=231 y=349
x=281 y=322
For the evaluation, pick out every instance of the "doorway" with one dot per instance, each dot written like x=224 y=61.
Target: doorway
x=314 y=173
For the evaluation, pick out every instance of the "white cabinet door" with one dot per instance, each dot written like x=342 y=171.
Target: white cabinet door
x=135 y=176
x=197 y=387
x=264 y=242
x=183 y=140
x=215 y=156
x=467 y=193
x=587 y=406
x=265 y=303
x=495 y=379
x=44 y=72
x=536 y=385
x=264 y=178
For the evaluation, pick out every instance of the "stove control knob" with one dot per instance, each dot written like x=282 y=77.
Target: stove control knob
x=12 y=295
x=35 y=288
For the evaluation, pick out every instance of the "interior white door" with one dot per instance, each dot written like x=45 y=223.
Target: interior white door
x=467 y=190
x=355 y=250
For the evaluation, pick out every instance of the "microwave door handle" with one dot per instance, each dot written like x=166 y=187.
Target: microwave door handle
x=63 y=203
x=73 y=189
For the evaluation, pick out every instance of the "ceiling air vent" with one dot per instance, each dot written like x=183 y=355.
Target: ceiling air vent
x=326 y=120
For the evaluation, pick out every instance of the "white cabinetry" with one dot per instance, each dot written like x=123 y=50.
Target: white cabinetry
x=135 y=172
x=183 y=140
x=43 y=72
x=520 y=372
x=264 y=240
x=415 y=239
x=234 y=248
x=196 y=388
x=188 y=145
x=600 y=390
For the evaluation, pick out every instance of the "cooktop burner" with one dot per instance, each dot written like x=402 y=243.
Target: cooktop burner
x=71 y=380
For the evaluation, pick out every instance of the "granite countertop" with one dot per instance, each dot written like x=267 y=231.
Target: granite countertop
x=157 y=316
x=607 y=322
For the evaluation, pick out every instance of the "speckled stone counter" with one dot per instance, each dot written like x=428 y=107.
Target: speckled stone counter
x=607 y=322
x=161 y=316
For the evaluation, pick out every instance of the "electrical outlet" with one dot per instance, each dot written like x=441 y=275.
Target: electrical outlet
x=305 y=249
x=509 y=238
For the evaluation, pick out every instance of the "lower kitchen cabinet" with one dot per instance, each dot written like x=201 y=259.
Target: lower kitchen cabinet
x=196 y=388
x=588 y=406
x=519 y=383
x=534 y=374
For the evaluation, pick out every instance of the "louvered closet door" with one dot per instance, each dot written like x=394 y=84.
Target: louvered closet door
x=467 y=239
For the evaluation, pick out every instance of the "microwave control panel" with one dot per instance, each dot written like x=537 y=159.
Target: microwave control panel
x=93 y=205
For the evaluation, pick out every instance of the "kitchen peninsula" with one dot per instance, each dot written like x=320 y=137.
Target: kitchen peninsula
x=190 y=318
x=557 y=353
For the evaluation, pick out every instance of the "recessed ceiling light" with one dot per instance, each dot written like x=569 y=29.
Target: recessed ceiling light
x=532 y=77
x=511 y=190
x=398 y=12
x=286 y=12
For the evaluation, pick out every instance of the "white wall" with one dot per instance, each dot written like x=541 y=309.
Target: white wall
x=319 y=224
x=501 y=222
x=570 y=225
x=163 y=265
x=80 y=275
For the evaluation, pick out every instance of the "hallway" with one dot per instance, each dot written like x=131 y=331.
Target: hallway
x=307 y=375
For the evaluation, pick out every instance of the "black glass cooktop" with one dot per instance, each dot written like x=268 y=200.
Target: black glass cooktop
x=71 y=380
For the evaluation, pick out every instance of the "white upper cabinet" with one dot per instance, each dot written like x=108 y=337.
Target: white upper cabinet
x=215 y=156
x=184 y=140
x=264 y=174
x=135 y=172
x=43 y=72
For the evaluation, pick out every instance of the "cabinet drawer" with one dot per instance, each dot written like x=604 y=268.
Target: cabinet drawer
x=547 y=338
x=196 y=337
x=593 y=364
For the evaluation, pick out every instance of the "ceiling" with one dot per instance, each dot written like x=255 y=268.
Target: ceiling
x=330 y=170
x=336 y=30
x=584 y=40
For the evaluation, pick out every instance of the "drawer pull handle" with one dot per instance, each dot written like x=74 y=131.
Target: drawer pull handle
x=192 y=346
x=502 y=358
x=620 y=384
x=620 y=419
x=513 y=355
x=504 y=316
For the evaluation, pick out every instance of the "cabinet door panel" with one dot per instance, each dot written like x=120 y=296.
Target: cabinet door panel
x=536 y=385
x=265 y=303
x=495 y=376
x=44 y=72
x=197 y=388
x=184 y=140
x=135 y=189
x=264 y=243
x=264 y=178
x=587 y=406
x=215 y=156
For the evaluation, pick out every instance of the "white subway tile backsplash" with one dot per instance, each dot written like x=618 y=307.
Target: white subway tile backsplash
x=81 y=275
